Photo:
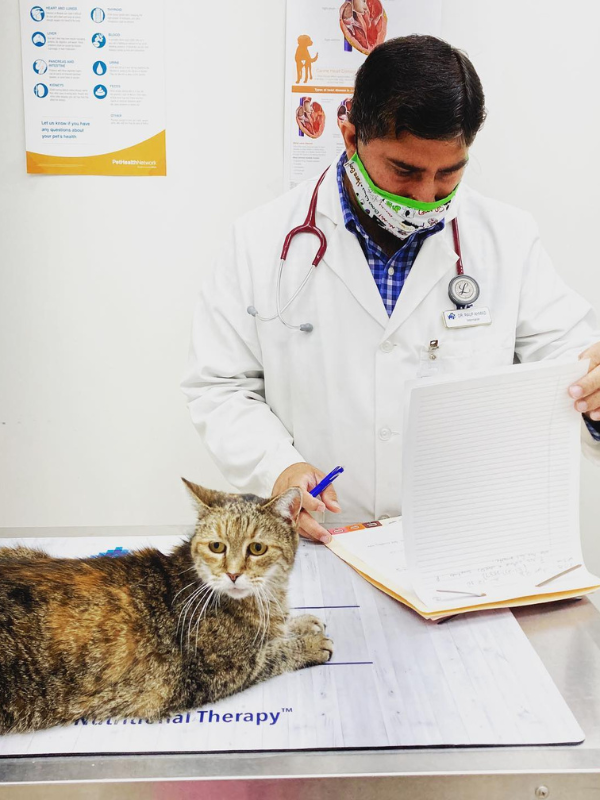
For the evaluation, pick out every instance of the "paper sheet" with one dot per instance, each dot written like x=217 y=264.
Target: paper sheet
x=491 y=485
x=378 y=554
x=395 y=681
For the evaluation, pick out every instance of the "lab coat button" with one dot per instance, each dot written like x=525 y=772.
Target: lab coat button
x=386 y=347
x=384 y=434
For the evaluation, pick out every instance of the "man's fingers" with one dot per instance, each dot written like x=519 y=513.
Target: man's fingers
x=329 y=497
x=591 y=382
x=593 y=353
x=586 y=386
x=311 y=529
x=311 y=503
x=590 y=405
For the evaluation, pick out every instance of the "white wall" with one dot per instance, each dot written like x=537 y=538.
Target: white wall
x=98 y=275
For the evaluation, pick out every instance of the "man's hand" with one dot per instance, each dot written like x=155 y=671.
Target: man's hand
x=306 y=477
x=586 y=392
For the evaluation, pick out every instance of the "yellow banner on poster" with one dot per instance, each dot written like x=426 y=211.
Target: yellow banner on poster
x=145 y=158
x=302 y=89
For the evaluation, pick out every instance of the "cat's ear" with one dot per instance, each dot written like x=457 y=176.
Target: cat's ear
x=204 y=498
x=287 y=505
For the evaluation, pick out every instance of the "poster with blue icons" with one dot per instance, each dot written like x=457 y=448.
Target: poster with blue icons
x=94 y=88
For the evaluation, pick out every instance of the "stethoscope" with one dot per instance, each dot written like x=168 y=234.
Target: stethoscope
x=462 y=289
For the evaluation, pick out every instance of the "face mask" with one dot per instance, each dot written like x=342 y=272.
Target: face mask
x=399 y=216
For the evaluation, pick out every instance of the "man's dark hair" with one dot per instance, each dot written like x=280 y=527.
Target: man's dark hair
x=418 y=84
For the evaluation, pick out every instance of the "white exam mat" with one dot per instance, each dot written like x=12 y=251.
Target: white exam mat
x=396 y=680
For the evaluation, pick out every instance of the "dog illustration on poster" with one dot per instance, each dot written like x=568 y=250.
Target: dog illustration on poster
x=304 y=60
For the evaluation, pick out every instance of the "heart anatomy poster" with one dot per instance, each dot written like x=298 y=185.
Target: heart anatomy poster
x=94 y=84
x=326 y=43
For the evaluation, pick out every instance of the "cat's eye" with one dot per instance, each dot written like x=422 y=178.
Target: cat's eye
x=257 y=549
x=217 y=547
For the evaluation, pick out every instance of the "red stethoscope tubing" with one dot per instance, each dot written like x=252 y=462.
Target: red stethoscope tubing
x=459 y=264
x=309 y=226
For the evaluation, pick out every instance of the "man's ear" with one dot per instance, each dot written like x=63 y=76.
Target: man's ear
x=348 y=132
x=204 y=498
x=287 y=505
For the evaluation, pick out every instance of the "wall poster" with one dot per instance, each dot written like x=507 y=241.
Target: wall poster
x=94 y=84
x=326 y=42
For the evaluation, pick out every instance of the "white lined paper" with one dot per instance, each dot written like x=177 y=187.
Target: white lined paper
x=491 y=483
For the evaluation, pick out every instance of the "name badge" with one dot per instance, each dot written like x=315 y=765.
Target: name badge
x=467 y=317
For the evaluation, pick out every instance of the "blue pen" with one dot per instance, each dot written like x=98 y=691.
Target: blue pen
x=320 y=487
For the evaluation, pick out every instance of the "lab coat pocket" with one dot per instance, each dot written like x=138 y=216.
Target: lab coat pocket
x=459 y=357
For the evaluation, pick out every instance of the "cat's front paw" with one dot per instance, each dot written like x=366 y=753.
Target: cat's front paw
x=316 y=648
x=308 y=632
x=305 y=625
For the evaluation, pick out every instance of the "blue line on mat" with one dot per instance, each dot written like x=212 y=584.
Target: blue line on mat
x=346 y=663
x=307 y=608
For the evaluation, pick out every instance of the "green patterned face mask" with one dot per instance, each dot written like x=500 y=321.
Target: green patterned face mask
x=399 y=216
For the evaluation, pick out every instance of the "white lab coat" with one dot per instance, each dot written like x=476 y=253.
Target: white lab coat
x=263 y=397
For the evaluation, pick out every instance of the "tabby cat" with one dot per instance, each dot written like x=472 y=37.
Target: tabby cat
x=146 y=634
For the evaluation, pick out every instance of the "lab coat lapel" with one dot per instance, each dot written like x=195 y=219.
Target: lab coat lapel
x=436 y=260
x=344 y=255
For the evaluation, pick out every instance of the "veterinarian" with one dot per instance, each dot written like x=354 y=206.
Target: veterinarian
x=281 y=402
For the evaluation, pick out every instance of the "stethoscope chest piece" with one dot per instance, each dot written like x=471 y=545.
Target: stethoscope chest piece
x=463 y=290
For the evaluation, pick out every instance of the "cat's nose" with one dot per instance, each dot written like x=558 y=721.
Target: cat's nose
x=234 y=576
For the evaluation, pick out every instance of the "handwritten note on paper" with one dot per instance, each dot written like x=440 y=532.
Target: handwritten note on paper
x=491 y=484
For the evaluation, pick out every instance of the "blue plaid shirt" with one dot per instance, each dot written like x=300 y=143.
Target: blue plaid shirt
x=390 y=273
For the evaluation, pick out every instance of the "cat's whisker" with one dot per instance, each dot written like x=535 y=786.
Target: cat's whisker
x=193 y=583
x=264 y=618
x=190 y=601
x=213 y=597
x=259 y=608
x=272 y=595
x=275 y=601
x=204 y=599
x=189 y=569
x=187 y=600
x=267 y=621
x=181 y=619
x=183 y=623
